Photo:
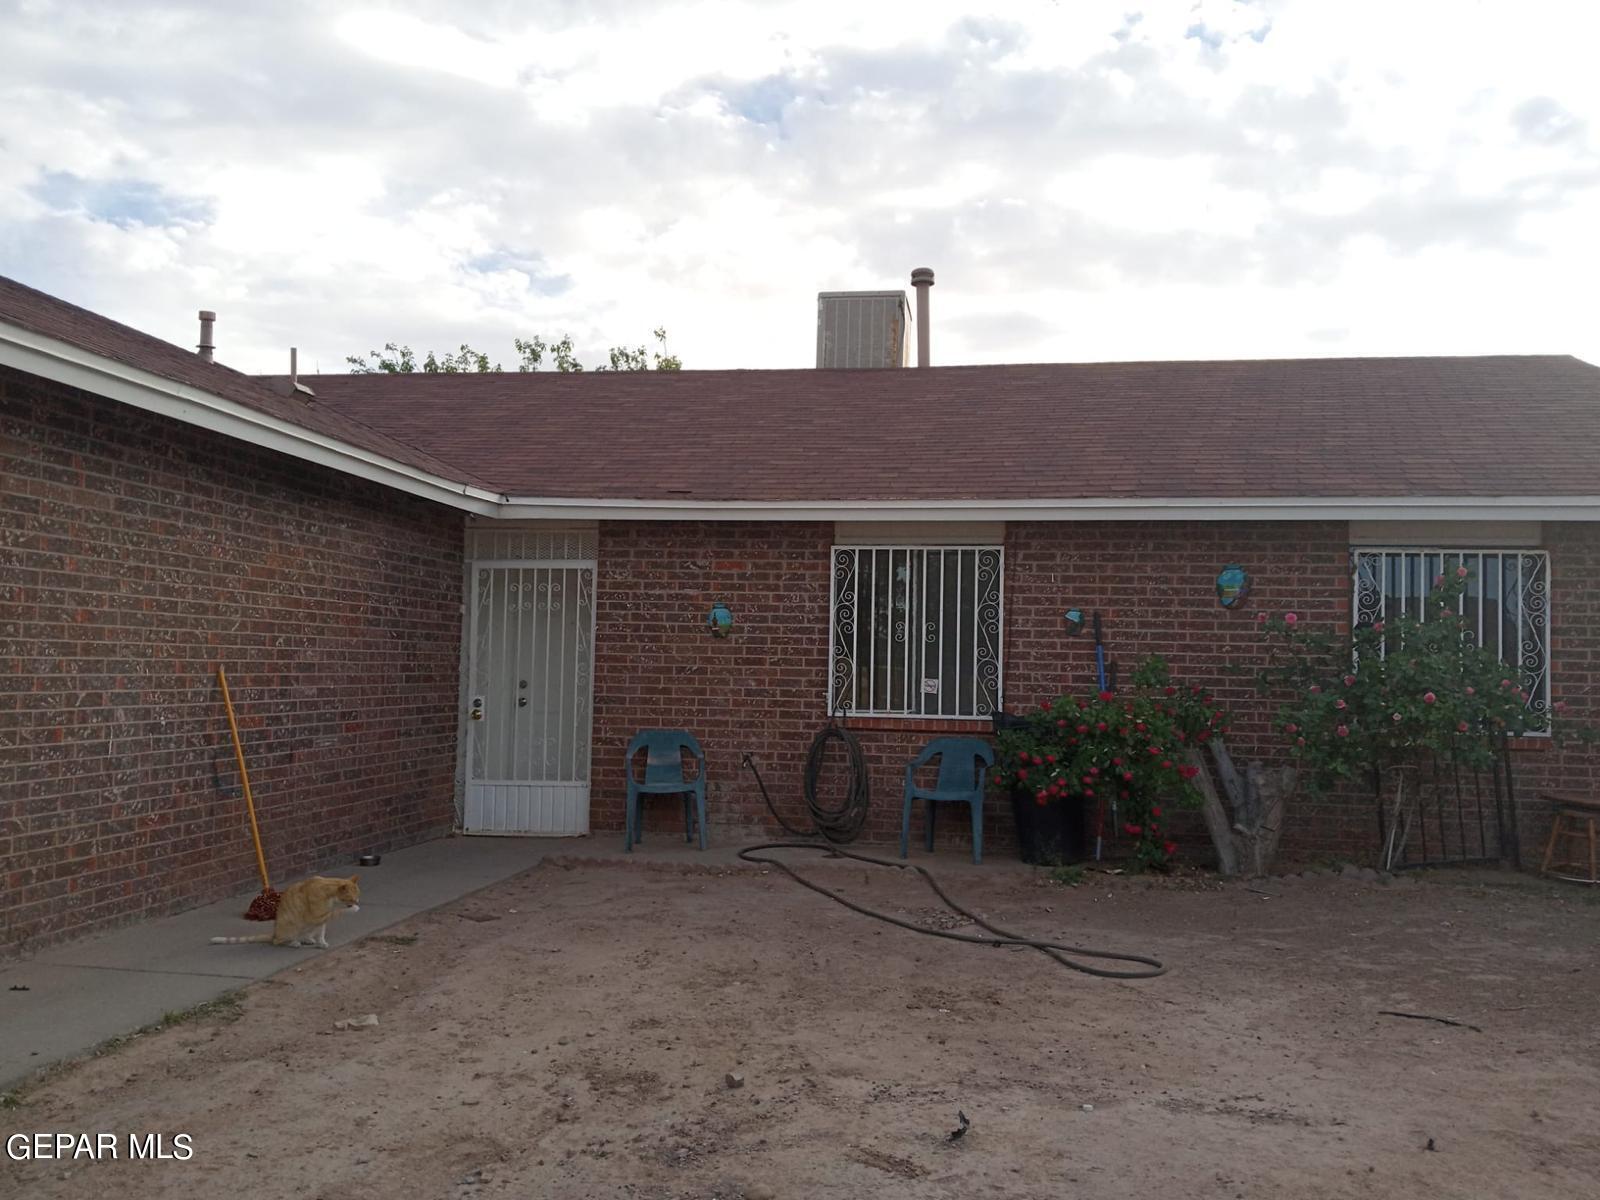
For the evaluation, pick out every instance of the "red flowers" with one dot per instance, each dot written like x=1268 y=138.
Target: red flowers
x=1188 y=772
x=1429 y=698
x=1170 y=847
x=1105 y=696
x=1343 y=731
x=1133 y=830
x=1349 y=681
x=1289 y=619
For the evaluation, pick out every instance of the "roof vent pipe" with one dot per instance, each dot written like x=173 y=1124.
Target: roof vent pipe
x=208 y=345
x=922 y=280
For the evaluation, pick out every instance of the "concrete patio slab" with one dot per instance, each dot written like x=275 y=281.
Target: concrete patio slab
x=73 y=997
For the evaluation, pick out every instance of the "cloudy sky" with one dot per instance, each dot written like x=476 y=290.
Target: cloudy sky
x=1090 y=181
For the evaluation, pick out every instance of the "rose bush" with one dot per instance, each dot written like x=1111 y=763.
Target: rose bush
x=1396 y=691
x=1110 y=749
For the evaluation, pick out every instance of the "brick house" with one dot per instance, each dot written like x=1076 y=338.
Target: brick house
x=450 y=600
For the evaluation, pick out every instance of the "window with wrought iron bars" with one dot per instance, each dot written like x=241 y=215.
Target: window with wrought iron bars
x=916 y=630
x=1506 y=603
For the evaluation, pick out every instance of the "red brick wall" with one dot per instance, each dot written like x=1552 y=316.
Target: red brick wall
x=1575 y=658
x=763 y=690
x=135 y=555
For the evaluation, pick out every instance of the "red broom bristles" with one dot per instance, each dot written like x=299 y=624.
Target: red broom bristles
x=264 y=907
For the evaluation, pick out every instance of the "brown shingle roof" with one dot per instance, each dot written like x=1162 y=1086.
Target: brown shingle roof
x=1351 y=427
x=39 y=313
x=1370 y=427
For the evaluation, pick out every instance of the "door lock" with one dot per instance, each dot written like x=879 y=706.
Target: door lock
x=476 y=711
x=522 y=702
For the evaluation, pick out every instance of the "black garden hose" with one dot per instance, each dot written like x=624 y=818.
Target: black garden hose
x=837 y=823
x=1055 y=950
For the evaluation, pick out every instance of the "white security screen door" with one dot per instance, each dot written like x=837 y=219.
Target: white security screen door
x=530 y=679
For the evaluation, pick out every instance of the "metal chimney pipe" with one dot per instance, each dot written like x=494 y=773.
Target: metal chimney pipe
x=208 y=345
x=294 y=367
x=922 y=280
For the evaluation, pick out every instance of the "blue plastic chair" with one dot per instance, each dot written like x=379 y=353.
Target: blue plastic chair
x=963 y=767
x=664 y=776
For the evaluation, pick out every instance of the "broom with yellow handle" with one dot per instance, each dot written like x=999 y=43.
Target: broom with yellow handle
x=265 y=906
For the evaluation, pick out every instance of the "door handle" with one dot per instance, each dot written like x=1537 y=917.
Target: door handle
x=476 y=711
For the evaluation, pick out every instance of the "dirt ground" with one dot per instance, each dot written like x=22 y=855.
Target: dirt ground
x=568 y=1033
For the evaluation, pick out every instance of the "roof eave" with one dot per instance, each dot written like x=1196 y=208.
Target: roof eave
x=72 y=365
x=1153 y=508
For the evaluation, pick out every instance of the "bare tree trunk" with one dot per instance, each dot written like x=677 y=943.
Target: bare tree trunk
x=1248 y=839
x=1270 y=788
x=1216 y=816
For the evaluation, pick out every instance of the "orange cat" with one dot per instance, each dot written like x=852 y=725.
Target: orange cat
x=304 y=910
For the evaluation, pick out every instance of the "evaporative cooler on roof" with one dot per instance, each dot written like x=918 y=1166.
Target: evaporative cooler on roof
x=863 y=329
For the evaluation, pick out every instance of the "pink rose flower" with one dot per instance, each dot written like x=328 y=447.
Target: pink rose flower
x=1461 y=572
x=1461 y=727
x=1429 y=698
x=1377 y=627
x=1472 y=691
x=1349 y=681
x=1397 y=716
x=1343 y=731
x=1289 y=618
x=1338 y=703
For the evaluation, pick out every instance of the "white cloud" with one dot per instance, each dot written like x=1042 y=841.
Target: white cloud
x=1090 y=180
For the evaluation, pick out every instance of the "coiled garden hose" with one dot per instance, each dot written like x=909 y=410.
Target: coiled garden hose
x=837 y=823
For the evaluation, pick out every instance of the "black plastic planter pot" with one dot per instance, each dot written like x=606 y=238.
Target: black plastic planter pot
x=1052 y=834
